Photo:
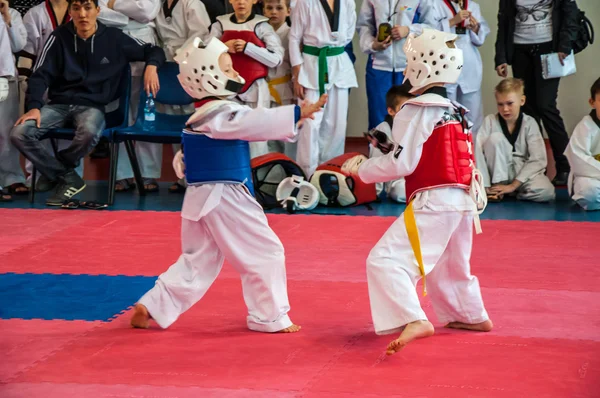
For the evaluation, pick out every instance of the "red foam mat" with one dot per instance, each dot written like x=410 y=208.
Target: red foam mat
x=337 y=352
x=509 y=254
x=24 y=343
x=540 y=285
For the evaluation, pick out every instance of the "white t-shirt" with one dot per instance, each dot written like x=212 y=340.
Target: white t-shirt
x=533 y=21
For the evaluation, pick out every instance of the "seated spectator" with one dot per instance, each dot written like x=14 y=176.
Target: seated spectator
x=81 y=66
x=40 y=21
x=12 y=40
x=510 y=150
x=583 y=153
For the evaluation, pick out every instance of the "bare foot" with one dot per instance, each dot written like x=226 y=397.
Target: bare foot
x=478 y=327
x=291 y=329
x=412 y=331
x=141 y=317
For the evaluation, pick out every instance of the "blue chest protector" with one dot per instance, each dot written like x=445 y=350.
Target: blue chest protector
x=216 y=161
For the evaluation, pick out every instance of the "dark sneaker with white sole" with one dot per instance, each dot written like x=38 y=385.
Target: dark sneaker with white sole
x=69 y=185
x=44 y=184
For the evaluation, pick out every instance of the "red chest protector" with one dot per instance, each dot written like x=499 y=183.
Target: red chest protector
x=447 y=160
x=250 y=69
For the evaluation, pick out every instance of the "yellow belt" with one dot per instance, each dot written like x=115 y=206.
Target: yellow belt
x=276 y=82
x=413 y=237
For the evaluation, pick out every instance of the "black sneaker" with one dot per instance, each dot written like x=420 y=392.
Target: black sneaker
x=44 y=184
x=561 y=178
x=69 y=185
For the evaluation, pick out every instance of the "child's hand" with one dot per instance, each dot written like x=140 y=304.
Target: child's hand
x=400 y=32
x=298 y=90
x=178 y=164
x=308 y=110
x=460 y=17
x=231 y=45
x=382 y=45
x=380 y=140
x=239 y=46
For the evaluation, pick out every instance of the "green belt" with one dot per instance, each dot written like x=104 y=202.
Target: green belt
x=323 y=53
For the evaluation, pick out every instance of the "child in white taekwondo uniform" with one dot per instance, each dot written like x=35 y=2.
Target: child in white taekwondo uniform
x=280 y=77
x=319 y=34
x=254 y=47
x=583 y=153
x=177 y=22
x=383 y=26
x=510 y=149
x=395 y=98
x=445 y=194
x=221 y=219
x=13 y=37
x=136 y=18
x=463 y=17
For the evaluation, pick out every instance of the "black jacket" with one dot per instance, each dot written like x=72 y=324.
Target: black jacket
x=86 y=72
x=564 y=28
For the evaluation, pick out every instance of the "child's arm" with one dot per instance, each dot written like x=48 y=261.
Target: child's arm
x=537 y=161
x=198 y=20
x=580 y=154
x=412 y=127
x=272 y=54
x=17 y=31
x=142 y=11
x=299 y=18
x=426 y=17
x=366 y=27
x=478 y=28
x=351 y=9
x=482 y=135
x=110 y=17
x=240 y=122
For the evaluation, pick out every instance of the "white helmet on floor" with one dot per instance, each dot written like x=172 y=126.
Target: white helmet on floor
x=199 y=71
x=296 y=194
x=432 y=57
x=3 y=88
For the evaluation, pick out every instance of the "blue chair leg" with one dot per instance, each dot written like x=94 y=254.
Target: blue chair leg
x=112 y=174
x=33 y=183
x=137 y=174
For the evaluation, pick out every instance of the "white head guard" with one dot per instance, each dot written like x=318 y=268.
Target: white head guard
x=430 y=59
x=3 y=88
x=296 y=194
x=199 y=71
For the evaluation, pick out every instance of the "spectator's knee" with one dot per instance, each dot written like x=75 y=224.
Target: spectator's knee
x=22 y=133
x=89 y=132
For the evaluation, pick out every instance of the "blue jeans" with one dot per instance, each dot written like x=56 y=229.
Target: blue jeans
x=378 y=83
x=88 y=123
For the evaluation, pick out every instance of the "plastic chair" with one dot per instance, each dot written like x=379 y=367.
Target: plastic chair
x=167 y=128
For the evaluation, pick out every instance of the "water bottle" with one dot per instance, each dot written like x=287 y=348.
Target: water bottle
x=149 y=114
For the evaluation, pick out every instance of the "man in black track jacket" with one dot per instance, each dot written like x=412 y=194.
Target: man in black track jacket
x=81 y=66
